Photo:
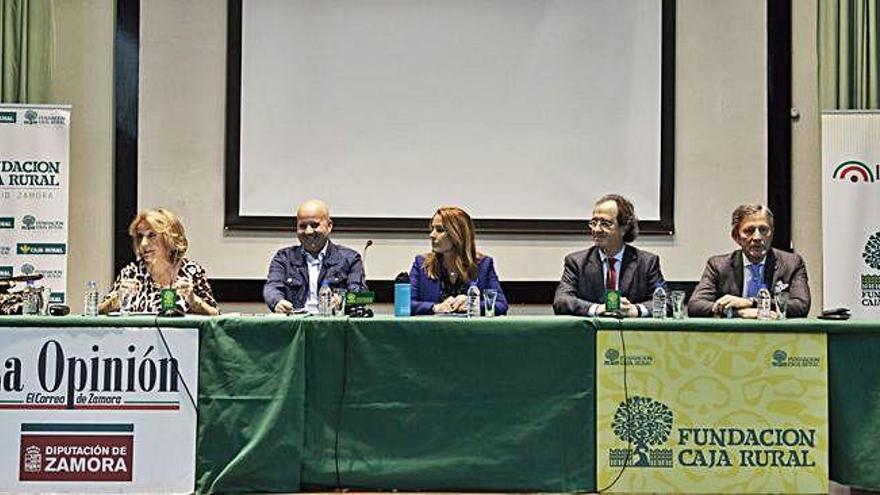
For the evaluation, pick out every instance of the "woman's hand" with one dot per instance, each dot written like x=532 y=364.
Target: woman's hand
x=459 y=304
x=445 y=306
x=126 y=291
x=125 y=294
x=184 y=289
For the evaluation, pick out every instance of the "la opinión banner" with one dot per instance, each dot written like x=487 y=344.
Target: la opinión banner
x=93 y=410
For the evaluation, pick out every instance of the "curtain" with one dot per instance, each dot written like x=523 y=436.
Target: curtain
x=848 y=54
x=25 y=50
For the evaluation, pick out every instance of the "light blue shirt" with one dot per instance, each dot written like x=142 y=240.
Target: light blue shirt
x=314 y=263
x=747 y=274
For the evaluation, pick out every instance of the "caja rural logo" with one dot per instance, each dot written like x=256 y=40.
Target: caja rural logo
x=781 y=359
x=871 y=281
x=855 y=171
x=31 y=117
x=613 y=358
x=646 y=425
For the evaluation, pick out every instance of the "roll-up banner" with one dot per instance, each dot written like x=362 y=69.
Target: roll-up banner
x=851 y=211
x=34 y=183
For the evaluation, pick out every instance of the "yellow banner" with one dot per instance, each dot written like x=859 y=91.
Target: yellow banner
x=710 y=412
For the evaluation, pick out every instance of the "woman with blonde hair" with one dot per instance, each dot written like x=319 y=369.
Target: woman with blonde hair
x=440 y=279
x=159 y=243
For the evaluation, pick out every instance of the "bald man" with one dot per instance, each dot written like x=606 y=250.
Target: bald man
x=297 y=272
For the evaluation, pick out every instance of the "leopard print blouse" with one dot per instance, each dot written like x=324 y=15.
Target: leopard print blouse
x=148 y=298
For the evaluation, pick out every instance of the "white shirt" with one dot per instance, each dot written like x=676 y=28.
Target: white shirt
x=747 y=273
x=314 y=263
x=618 y=256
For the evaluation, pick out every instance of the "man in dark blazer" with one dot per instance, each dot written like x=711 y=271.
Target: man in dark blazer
x=296 y=273
x=611 y=263
x=730 y=282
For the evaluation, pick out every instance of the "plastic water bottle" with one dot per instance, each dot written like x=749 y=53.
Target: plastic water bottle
x=30 y=305
x=402 y=293
x=90 y=307
x=325 y=300
x=473 y=301
x=764 y=304
x=658 y=310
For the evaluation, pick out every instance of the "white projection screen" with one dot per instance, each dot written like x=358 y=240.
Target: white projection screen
x=521 y=111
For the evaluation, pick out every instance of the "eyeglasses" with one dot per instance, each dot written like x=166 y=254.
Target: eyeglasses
x=597 y=222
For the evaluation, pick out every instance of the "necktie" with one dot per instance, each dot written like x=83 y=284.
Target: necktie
x=611 y=278
x=755 y=283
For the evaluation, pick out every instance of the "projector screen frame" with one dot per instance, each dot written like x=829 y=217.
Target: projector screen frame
x=233 y=220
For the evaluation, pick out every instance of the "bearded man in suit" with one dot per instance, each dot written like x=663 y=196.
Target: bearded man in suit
x=611 y=263
x=731 y=282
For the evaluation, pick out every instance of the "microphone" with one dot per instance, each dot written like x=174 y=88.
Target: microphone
x=364 y=260
x=22 y=278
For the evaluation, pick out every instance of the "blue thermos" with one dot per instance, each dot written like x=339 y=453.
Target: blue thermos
x=401 y=295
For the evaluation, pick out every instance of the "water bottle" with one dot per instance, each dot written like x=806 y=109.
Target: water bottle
x=658 y=310
x=473 y=301
x=325 y=300
x=764 y=304
x=30 y=305
x=90 y=307
x=402 y=293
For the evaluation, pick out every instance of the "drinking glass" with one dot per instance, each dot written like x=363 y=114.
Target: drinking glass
x=122 y=293
x=339 y=302
x=781 y=305
x=678 y=304
x=126 y=292
x=490 y=296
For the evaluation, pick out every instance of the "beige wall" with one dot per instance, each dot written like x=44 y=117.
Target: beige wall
x=82 y=75
x=720 y=141
x=721 y=101
x=806 y=201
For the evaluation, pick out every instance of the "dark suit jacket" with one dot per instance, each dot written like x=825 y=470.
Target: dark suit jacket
x=724 y=275
x=425 y=291
x=289 y=274
x=583 y=285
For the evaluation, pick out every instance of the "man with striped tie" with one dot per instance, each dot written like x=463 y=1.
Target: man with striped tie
x=610 y=264
x=731 y=282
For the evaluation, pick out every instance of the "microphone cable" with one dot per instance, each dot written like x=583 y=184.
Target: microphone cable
x=177 y=369
x=629 y=426
x=342 y=393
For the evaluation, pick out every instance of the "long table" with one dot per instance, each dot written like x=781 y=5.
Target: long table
x=443 y=404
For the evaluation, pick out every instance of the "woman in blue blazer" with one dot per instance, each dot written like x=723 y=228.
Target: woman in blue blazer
x=441 y=278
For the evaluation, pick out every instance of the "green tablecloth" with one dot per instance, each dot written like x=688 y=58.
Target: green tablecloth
x=446 y=404
x=420 y=403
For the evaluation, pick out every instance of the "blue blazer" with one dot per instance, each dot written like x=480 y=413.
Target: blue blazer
x=288 y=276
x=425 y=291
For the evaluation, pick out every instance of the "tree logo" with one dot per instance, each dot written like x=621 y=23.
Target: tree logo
x=28 y=222
x=30 y=117
x=612 y=357
x=644 y=423
x=871 y=254
x=779 y=357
